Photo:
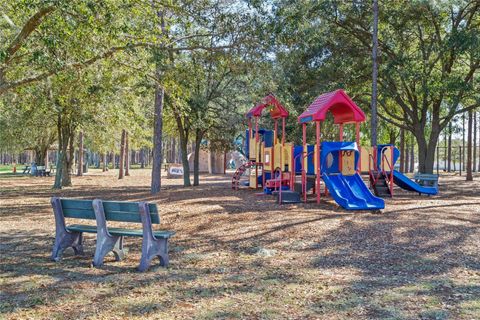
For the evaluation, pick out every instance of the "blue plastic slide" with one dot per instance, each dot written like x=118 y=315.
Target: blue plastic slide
x=406 y=183
x=351 y=193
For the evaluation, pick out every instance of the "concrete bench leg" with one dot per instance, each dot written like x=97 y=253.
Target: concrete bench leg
x=67 y=240
x=118 y=250
x=105 y=245
x=152 y=248
x=63 y=238
x=105 y=241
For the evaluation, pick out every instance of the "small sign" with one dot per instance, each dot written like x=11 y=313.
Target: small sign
x=175 y=171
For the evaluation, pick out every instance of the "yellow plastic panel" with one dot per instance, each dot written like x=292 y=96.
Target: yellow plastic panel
x=305 y=160
x=261 y=155
x=387 y=158
x=287 y=156
x=348 y=163
x=267 y=158
x=253 y=179
x=365 y=153
x=277 y=154
x=252 y=152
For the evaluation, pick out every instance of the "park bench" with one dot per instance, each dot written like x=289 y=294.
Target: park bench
x=426 y=180
x=154 y=243
x=26 y=169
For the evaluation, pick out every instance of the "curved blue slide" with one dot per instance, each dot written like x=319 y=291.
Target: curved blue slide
x=406 y=183
x=351 y=193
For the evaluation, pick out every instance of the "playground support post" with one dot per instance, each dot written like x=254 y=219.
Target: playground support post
x=305 y=151
x=317 y=159
x=391 y=172
x=283 y=131
x=357 y=140
x=275 y=132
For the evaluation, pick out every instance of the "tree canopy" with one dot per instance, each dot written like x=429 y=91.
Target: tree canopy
x=192 y=69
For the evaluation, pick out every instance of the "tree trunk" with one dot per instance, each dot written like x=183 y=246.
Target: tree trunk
x=462 y=163
x=426 y=149
x=105 y=162
x=67 y=178
x=402 y=150
x=62 y=153
x=412 y=156
x=225 y=162
x=196 y=158
x=173 y=150
x=392 y=137
x=374 y=120
x=445 y=138
x=186 y=165
x=40 y=155
x=474 y=159
x=66 y=136
x=112 y=159
x=449 y=148
x=157 y=139
x=127 y=155
x=407 y=157
x=469 y=146
x=80 y=154
x=183 y=135
x=121 y=163
x=479 y=145
x=142 y=158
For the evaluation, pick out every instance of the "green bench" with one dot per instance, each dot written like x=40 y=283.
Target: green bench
x=426 y=180
x=154 y=243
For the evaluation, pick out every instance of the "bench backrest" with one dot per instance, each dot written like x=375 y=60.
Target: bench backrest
x=114 y=210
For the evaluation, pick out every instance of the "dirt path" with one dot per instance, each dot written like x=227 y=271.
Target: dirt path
x=237 y=255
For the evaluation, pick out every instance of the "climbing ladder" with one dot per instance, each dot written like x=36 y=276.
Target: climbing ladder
x=381 y=180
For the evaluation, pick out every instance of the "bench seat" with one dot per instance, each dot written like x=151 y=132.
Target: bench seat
x=119 y=231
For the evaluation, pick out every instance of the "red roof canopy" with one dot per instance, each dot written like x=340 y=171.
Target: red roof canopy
x=338 y=103
x=276 y=111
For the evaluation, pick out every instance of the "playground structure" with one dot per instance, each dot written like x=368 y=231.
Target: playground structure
x=270 y=159
x=332 y=167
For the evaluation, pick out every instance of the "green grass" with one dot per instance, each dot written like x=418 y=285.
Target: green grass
x=7 y=168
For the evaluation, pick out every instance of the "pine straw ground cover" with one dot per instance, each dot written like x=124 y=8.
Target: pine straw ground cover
x=236 y=255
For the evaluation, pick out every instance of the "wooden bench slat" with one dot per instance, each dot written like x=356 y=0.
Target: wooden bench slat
x=123 y=216
x=78 y=213
x=126 y=206
x=76 y=204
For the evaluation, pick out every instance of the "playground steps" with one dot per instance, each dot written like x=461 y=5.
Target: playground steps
x=288 y=196
x=380 y=188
